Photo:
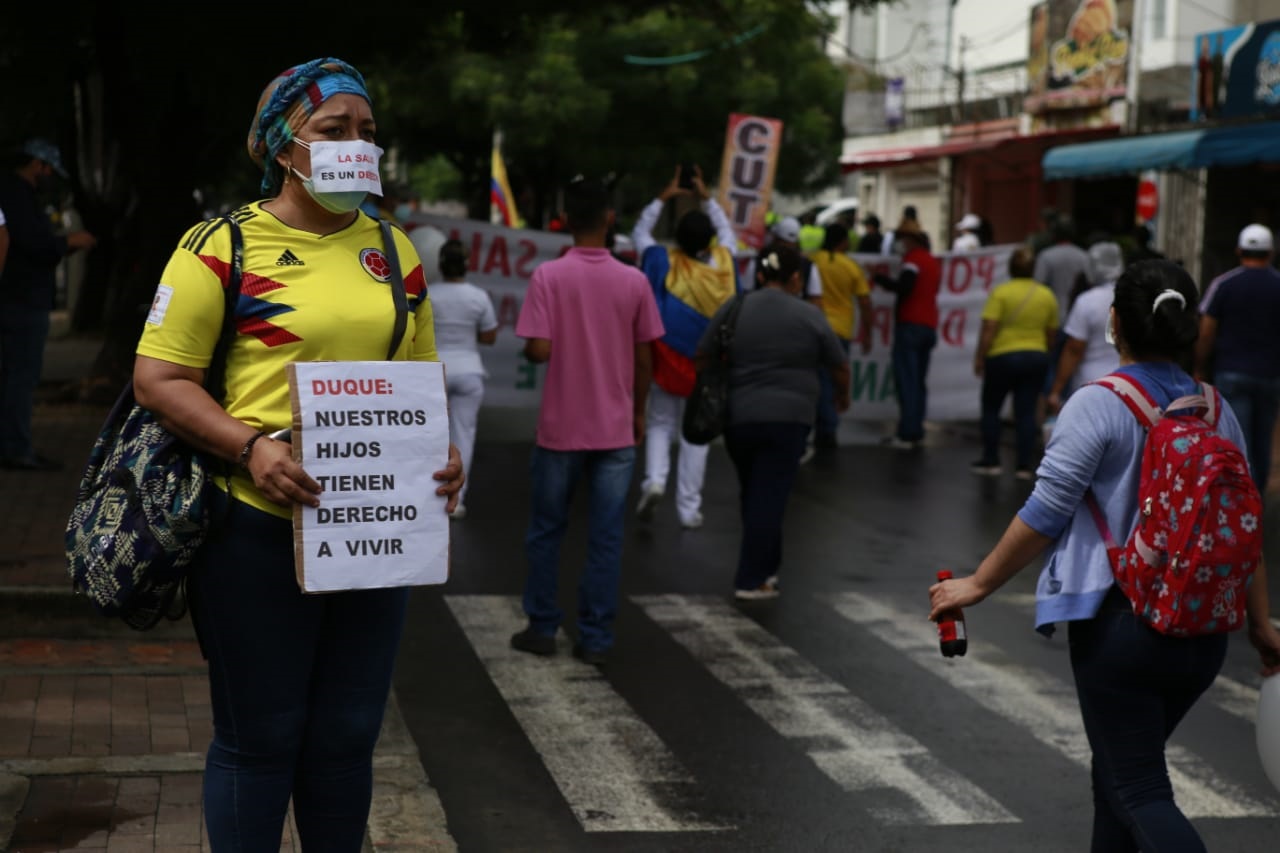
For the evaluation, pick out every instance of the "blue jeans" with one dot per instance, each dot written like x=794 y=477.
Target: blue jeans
x=23 y=332
x=1256 y=402
x=1021 y=373
x=555 y=473
x=828 y=418
x=299 y=685
x=1134 y=686
x=912 y=344
x=766 y=457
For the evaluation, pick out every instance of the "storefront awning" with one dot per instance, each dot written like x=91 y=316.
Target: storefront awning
x=884 y=157
x=1240 y=145
x=1184 y=149
x=1123 y=156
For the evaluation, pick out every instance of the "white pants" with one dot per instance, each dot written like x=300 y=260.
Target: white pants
x=466 y=392
x=662 y=427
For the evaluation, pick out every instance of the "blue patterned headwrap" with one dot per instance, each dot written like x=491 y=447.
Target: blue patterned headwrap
x=287 y=103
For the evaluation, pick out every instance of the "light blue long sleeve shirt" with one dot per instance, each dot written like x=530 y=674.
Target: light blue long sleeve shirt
x=1096 y=444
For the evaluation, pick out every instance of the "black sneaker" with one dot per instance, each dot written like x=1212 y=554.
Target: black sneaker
x=595 y=657
x=534 y=643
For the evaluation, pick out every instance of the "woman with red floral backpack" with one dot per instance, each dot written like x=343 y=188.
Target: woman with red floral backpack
x=1134 y=682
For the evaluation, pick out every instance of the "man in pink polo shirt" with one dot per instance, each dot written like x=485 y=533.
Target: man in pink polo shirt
x=591 y=318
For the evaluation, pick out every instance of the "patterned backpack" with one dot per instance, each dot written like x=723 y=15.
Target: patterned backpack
x=1188 y=563
x=141 y=512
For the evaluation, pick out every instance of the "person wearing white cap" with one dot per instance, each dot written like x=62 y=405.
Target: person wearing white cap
x=786 y=232
x=1087 y=354
x=1238 y=344
x=967 y=240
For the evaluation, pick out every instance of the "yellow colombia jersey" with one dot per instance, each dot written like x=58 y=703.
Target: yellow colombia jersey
x=303 y=297
x=1025 y=310
x=842 y=284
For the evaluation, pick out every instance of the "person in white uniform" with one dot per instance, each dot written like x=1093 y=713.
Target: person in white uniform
x=967 y=239
x=464 y=319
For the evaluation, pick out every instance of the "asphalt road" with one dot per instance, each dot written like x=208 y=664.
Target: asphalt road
x=825 y=720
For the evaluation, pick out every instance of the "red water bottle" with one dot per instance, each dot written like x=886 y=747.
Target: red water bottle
x=952 y=637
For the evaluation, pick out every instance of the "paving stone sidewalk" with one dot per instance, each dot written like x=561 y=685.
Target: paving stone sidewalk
x=103 y=729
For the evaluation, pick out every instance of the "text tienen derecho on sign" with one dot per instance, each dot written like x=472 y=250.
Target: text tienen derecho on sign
x=372 y=434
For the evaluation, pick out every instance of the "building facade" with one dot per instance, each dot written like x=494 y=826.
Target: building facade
x=955 y=110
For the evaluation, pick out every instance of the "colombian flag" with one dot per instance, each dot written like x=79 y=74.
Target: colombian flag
x=502 y=205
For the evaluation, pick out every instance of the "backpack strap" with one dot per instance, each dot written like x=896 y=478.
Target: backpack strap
x=215 y=378
x=1139 y=401
x=397 y=288
x=1212 y=403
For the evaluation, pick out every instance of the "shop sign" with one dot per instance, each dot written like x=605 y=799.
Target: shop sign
x=1078 y=56
x=1236 y=73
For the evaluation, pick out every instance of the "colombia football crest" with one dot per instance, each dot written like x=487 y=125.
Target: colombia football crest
x=375 y=263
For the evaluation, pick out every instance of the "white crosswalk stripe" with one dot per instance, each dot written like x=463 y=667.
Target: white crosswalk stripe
x=1041 y=704
x=612 y=769
x=854 y=745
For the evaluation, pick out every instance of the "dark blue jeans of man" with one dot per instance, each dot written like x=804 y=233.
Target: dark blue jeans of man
x=912 y=345
x=766 y=457
x=1256 y=402
x=23 y=332
x=828 y=421
x=555 y=474
x=1022 y=374
x=299 y=685
x=1135 y=685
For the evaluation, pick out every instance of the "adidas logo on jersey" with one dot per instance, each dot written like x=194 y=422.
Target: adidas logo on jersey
x=289 y=259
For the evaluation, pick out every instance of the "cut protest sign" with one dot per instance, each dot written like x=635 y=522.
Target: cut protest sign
x=750 y=158
x=372 y=433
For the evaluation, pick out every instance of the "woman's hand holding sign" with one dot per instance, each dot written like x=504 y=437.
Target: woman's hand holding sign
x=278 y=476
x=452 y=478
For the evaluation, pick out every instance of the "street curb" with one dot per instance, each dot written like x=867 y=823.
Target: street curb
x=13 y=793
x=406 y=813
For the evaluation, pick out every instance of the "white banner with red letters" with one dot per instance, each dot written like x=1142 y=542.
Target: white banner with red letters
x=502 y=259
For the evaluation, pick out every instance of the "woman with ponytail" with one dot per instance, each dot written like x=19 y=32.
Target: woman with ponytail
x=1134 y=684
x=779 y=345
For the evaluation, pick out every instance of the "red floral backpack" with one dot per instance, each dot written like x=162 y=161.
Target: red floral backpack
x=1188 y=563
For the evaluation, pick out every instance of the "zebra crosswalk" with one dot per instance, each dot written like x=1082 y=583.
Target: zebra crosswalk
x=616 y=772
x=609 y=766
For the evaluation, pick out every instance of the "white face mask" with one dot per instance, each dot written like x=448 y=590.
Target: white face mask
x=343 y=173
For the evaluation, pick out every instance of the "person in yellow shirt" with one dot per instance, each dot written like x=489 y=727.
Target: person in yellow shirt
x=844 y=286
x=1019 y=324
x=298 y=683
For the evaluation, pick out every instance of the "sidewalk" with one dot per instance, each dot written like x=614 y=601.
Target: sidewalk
x=102 y=728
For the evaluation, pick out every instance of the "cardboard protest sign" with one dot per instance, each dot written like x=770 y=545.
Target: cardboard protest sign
x=372 y=433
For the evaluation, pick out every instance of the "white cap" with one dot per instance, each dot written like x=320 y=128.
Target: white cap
x=1255 y=238
x=1106 y=262
x=969 y=222
x=788 y=229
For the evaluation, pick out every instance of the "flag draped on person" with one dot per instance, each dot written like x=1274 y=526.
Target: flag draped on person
x=502 y=205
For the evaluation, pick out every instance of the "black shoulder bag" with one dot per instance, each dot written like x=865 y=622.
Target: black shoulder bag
x=706 y=411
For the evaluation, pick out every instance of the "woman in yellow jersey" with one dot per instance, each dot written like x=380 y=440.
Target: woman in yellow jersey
x=298 y=684
x=1019 y=323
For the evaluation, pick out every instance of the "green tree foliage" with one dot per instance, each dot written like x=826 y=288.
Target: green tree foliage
x=570 y=96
